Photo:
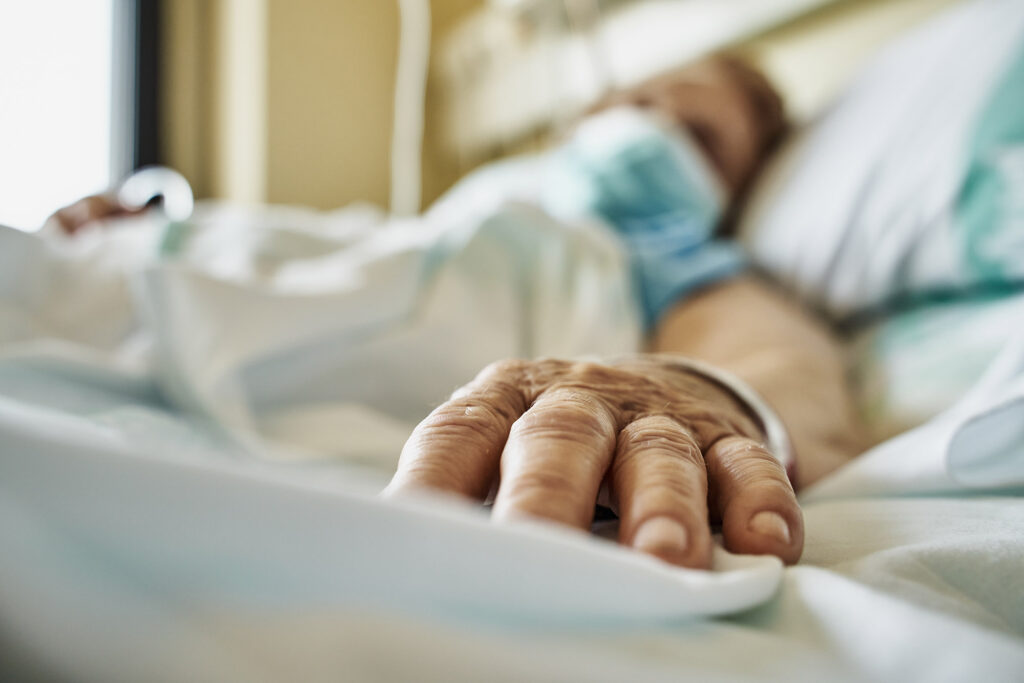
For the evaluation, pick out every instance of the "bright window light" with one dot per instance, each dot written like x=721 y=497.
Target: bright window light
x=55 y=105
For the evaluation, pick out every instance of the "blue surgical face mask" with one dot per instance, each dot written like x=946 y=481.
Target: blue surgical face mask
x=636 y=171
x=650 y=182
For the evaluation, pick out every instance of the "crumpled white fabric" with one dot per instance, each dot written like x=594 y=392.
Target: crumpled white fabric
x=287 y=323
x=231 y=531
x=123 y=565
x=130 y=483
x=203 y=555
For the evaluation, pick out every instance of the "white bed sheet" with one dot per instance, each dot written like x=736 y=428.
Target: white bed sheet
x=138 y=545
x=142 y=540
x=123 y=562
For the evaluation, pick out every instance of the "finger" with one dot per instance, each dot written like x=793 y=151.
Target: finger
x=458 y=446
x=72 y=218
x=659 y=485
x=99 y=206
x=751 y=492
x=86 y=210
x=555 y=458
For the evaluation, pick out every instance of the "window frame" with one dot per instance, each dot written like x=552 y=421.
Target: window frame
x=136 y=139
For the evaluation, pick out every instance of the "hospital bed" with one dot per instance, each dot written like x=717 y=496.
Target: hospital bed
x=191 y=446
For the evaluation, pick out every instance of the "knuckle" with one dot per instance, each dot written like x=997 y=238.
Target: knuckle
x=659 y=433
x=505 y=369
x=743 y=425
x=664 y=483
x=498 y=400
x=437 y=472
x=459 y=422
x=653 y=424
x=592 y=374
x=574 y=416
x=748 y=464
x=589 y=369
x=541 y=484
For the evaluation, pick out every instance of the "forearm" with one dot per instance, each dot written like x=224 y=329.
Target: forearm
x=790 y=358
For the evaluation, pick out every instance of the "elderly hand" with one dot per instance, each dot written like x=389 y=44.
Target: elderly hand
x=675 y=450
x=73 y=217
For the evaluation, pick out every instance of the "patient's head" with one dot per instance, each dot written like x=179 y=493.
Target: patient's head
x=729 y=107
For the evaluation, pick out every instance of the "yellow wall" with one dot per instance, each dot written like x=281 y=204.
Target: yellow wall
x=812 y=58
x=288 y=101
x=330 y=85
x=238 y=153
x=186 y=88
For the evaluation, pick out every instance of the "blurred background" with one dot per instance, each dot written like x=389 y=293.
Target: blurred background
x=293 y=101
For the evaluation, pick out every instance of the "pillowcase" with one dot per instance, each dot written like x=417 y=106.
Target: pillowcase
x=913 y=182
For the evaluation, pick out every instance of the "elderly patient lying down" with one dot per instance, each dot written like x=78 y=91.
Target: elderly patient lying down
x=741 y=394
x=676 y=447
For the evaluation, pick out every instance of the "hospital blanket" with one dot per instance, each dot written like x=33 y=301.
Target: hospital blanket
x=137 y=551
x=296 y=327
x=159 y=523
x=195 y=418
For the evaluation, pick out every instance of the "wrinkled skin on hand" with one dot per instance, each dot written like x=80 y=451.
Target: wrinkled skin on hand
x=675 y=452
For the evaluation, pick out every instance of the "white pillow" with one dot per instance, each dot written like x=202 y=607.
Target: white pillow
x=859 y=208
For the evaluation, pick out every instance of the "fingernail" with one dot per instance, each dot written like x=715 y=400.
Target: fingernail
x=770 y=524
x=662 y=536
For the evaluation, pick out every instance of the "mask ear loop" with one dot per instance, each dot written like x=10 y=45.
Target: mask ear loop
x=410 y=101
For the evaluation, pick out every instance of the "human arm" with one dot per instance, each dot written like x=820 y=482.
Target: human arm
x=789 y=357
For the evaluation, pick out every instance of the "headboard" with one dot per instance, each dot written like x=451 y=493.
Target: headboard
x=517 y=70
